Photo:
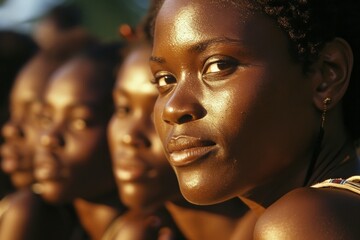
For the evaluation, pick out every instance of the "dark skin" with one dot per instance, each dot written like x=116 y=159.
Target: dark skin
x=20 y=131
x=239 y=117
x=141 y=168
x=26 y=213
x=72 y=164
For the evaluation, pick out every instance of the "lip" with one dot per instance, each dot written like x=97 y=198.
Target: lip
x=47 y=168
x=184 y=150
x=130 y=168
x=10 y=159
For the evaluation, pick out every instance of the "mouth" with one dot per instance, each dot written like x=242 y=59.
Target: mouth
x=47 y=169
x=129 y=173
x=130 y=168
x=184 y=150
x=10 y=160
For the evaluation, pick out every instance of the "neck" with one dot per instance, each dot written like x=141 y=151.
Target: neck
x=337 y=157
x=207 y=222
x=97 y=215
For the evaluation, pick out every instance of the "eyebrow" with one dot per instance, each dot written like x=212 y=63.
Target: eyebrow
x=157 y=59
x=201 y=47
x=119 y=91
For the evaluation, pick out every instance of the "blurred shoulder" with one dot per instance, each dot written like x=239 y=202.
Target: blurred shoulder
x=324 y=213
x=21 y=202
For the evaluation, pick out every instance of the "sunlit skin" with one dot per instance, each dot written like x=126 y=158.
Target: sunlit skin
x=145 y=179
x=217 y=94
x=25 y=213
x=72 y=160
x=226 y=105
x=238 y=116
x=139 y=164
x=21 y=130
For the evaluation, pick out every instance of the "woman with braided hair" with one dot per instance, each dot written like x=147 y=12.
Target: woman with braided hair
x=261 y=100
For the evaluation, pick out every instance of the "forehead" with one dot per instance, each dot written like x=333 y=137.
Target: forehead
x=75 y=82
x=32 y=80
x=190 y=17
x=135 y=75
x=183 y=23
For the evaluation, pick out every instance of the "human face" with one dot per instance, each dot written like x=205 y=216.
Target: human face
x=143 y=175
x=235 y=112
x=21 y=130
x=72 y=160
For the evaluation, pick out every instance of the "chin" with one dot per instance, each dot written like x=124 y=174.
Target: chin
x=22 y=179
x=136 y=197
x=52 y=193
x=202 y=191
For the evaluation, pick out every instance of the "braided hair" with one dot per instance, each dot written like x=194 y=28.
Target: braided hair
x=309 y=25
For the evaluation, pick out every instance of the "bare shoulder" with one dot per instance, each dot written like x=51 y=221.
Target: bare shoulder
x=312 y=213
x=28 y=217
x=18 y=215
x=20 y=204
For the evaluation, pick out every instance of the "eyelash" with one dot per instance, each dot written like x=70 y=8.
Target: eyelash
x=164 y=80
x=224 y=65
x=122 y=110
x=77 y=124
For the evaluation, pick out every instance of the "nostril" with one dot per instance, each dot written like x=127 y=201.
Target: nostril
x=136 y=140
x=51 y=141
x=147 y=142
x=185 y=118
x=11 y=131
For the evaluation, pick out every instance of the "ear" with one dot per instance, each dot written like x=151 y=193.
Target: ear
x=333 y=70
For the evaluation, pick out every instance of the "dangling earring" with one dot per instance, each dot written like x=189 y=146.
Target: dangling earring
x=326 y=102
x=317 y=148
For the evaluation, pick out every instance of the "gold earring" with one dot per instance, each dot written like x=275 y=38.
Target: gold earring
x=326 y=102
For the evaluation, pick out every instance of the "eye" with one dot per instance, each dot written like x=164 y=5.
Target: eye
x=34 y=114
x=219 y=66
x=78 y=124
x=35 y=119
x=163 y=81
x=45 y=121
x=122 y=111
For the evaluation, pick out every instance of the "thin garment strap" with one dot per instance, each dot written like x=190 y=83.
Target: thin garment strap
x=351 y=184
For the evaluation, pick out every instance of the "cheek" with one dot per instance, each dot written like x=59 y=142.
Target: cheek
x=32 y=136
x=86 y=145
x=160 y=126
x=113 y=133
x=157 y=151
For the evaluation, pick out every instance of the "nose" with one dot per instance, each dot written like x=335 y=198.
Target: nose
x=12 y=130
x=52 y=138
x=182 y=107
x=136 y=139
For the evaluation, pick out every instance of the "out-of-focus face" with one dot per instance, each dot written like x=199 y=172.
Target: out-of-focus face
x=72 y=159
x=21 y=130
x=230 y=99
x=46 y=34
x=143 y=175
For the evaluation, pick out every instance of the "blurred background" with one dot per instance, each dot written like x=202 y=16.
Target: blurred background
x=101 y=17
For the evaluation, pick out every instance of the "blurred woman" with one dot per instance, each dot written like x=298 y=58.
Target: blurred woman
x=23 y=214
x=72 y=162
